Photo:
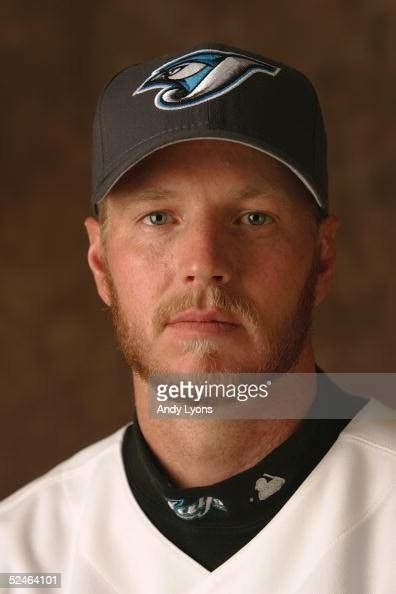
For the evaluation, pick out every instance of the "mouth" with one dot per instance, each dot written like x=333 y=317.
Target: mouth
x=203 y=321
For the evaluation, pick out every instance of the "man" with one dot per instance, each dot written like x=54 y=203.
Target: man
x=212 y=247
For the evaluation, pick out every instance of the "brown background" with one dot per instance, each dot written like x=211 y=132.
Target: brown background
x=63 y=384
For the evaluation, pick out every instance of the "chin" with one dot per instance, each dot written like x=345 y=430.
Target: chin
x=211 y=364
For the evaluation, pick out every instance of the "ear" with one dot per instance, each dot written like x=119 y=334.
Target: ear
x=327 y=256
x=96 y=258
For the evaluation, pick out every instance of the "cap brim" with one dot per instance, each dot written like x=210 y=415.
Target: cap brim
x=138 y=154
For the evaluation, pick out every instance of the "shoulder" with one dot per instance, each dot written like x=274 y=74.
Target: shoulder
x=76 y=467
x=364 y=457
x=43 y=514
x=372 y=423
x=374 y=427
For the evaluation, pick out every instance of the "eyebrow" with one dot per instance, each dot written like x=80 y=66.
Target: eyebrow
x=153 y=194
x=267 y=190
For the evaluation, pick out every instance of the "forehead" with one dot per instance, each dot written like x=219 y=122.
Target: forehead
x=222 y=166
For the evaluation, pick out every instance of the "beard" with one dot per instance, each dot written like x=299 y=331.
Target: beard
x=277 y=347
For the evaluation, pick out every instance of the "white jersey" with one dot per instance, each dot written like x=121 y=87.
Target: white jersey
x=335 y=535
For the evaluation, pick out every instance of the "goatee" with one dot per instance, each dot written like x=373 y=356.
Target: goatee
x=284 y=342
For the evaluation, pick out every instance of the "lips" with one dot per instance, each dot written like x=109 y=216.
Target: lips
x=202 y=315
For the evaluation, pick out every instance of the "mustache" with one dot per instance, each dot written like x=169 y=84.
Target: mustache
x=239 y=307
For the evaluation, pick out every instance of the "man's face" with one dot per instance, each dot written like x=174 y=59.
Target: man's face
x=218 y=227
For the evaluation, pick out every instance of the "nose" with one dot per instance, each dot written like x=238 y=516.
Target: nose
x=205 y=256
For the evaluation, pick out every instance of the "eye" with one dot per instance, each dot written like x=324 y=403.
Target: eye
x=175 y=70
x=156 y=218
x=185 y=70
x=256 y=218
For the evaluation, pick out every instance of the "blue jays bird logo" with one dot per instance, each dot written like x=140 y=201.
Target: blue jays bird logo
x=200 y=76
x=197 y=509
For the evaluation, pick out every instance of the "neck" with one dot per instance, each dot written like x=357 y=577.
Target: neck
x=204 y=452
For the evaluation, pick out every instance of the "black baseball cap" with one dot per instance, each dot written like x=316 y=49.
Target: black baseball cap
x=209 y=91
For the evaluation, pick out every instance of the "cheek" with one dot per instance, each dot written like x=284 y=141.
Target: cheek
x=277 y=275
x=138 y=273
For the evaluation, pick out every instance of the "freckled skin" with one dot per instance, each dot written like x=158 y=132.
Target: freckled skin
x=268 y=276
